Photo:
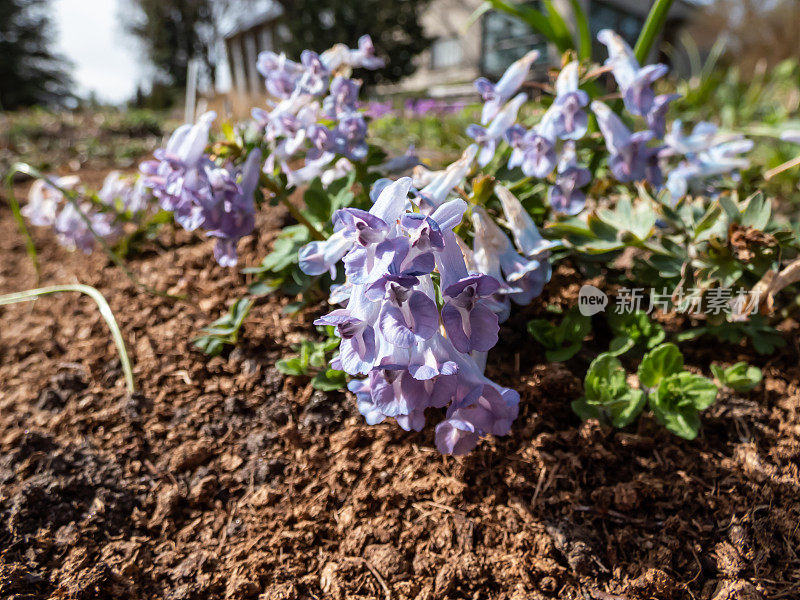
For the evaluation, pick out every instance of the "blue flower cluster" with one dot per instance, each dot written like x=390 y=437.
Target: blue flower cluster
x=415 y=354
x=314 y=114
x=78 y=227
x=633 y=155
x=202 y=194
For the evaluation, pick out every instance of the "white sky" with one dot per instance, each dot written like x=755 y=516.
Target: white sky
x=106 y=59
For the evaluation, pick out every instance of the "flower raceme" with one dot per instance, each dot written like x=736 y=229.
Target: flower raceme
x=202 y=194
x=313 y=114
x=78 y=227
x=415 y=355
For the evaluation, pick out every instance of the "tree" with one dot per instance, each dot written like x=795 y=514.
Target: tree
x=30 y=73
x=173 y=32
x=395 y=28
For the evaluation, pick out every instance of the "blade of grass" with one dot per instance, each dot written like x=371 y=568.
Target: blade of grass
x=653 y=26
x=70 y=196
x=559 y=27
x=105 y=312
x=584 y=31
x=30 y=247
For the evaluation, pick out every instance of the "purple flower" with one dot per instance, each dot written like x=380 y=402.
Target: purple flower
x=566 y=196
x=343 y=97
x=495 y=95
x=407 y=315
x=534 y=150
x=74 y=233
x=634 y=82
x=469 y=323
x=376 y=110
x=571 y=121
x=630 y=156
x=487 y=138
x=526 y=235
x=364 y=55
x=340 y=56
x=232 y=215
x=281 y=74
x=45 y=199
x=483 y=410
x=441 y=184
x=391 y=327
x=522 y=279
x=349 y=137
x=657 y=116
x=357 y=350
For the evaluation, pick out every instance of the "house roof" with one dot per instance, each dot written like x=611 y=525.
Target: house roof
x=267 y=11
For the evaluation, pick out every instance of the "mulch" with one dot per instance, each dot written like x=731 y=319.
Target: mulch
x=220 y=478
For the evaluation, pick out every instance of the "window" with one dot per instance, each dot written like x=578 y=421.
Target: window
x=605 y=16
x=446 y=52
x=506 y=39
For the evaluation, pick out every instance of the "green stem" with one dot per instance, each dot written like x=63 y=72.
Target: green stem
x=105 y=312
x=30 y=247
x=652 y=28
x=301 y=218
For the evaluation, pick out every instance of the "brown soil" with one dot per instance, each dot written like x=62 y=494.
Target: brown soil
x=222 y=479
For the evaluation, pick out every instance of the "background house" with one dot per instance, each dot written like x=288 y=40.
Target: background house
x=462 y=52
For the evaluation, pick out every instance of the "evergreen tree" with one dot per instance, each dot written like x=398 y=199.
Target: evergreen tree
x=30 y=73
x=173 y=32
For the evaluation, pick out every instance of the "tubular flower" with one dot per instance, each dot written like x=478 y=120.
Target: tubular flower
x=79 y=226
x=487 y=137
x=571 y=122
x=496 y=94
x=630 y=155
x=634 y=82
x=414 y=356
x=202 y=194
x=565 y=196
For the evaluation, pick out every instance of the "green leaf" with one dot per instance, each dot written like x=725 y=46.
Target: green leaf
x=105 y=312
x=757 y=212
x=605 y=380
x=586 y=411
x=740 y=377
x=684 y=423
x=584 y=31
x=653 y=26
x=626 y=407
x=634 y=326
x=563 y=354
x=291 y=366
x=329 y=381
x=564 y=340
x=608 y=394
x=225 y=330
x=659 y=363
x=709 y=219
x=544 y=332
x=532 y=17
x=620 y=345
x=677 y=400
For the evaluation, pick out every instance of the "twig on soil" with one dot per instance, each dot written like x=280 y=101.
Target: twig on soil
x=387 y=592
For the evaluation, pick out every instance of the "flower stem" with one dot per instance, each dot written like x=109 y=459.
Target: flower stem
x=301 y=218
x=652 y=28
